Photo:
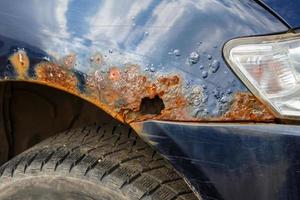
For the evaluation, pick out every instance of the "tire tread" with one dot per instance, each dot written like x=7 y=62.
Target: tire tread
x=111 y=154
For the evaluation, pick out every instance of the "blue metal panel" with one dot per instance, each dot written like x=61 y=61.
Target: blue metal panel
x=232 y=162
x=288 y=10
x=179 y=39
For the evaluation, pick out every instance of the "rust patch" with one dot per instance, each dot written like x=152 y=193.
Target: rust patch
x=69 y=61
x=123 y=90
x=54 y=74
x=114 y=74
x=246 y=107
x=20 y=62
x=120 y=91
x=171 y=81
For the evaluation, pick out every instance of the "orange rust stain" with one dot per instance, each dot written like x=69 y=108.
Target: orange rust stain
x=169 y=81
x=97 y=59
x=246 y=107
x=69 y=61
x=20 y=62
x=152 y=91
x=114 y=74
x=55 y=74
x=123 y=91
x=120 y=92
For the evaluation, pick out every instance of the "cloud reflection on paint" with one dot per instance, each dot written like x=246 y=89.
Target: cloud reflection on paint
x=88 y=26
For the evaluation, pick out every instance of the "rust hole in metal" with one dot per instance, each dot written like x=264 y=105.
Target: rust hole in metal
x=152 y=106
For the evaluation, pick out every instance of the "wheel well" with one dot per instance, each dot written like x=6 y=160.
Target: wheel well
x=32 y=112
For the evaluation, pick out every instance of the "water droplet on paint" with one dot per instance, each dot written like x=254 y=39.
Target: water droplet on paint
x=197 y=101
x=176 y=52
x=187 y=84
x=224 y=99
x=197 y=90
x=215 y=65
x=152 y=69
x=205 y=98
x=204 y=74
x=229 y=91
x=195 y=112
x=46 y=58
x=194 y=57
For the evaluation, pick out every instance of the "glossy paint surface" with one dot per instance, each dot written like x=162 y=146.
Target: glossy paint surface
x=116 y=53
x=288 y=10
x=232 y=162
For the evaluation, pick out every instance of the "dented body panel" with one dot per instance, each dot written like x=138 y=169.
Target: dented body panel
x=119 y=55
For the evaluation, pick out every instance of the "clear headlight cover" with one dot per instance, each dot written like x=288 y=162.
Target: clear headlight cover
x=270 y=67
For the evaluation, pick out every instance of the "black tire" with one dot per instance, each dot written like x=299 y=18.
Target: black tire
x=103 y=162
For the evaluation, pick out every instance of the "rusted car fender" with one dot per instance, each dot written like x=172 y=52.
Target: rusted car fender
x=139 y=60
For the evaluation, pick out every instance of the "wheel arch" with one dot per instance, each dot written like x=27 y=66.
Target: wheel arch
x=32 y=112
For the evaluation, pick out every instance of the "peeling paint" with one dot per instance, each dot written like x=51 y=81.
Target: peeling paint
x=20 y=61
x=120 y=91
x=245 y=106
x=114 y=62
x=124 y=89
x=54 y=74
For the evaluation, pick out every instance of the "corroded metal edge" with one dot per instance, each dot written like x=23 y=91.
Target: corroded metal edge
x=120 y=91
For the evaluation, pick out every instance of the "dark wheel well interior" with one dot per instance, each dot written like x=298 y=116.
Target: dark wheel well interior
x=31 y=113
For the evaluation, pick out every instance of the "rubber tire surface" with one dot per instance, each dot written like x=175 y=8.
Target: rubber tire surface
x=100 y=162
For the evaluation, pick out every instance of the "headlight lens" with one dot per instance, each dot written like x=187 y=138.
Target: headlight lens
x=270 y=67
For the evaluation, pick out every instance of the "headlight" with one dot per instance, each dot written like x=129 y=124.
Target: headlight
x=270 y=67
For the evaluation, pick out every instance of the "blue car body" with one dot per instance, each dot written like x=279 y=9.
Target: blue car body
x=288 y=11
x=116 y=54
